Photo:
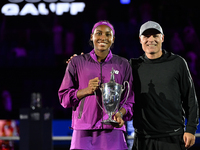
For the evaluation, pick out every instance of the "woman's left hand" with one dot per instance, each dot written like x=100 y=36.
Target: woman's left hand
x=117 y=117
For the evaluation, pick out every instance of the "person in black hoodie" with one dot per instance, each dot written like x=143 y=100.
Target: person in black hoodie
x=164 y=96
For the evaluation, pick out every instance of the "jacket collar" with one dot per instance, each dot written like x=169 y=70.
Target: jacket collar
x=108 y=57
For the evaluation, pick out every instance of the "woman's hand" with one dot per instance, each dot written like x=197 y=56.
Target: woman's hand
x=93 y=85
x=117 y=117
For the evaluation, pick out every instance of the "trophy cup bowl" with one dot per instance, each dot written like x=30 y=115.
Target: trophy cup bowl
x=111 y=97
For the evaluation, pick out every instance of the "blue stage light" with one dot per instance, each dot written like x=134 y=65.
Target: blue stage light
x=125 y=1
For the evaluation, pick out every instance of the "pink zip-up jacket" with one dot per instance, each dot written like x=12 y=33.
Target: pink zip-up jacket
x=86 y=113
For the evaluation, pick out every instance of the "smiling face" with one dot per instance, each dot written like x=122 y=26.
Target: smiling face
x=102 y=38
x=151 y=41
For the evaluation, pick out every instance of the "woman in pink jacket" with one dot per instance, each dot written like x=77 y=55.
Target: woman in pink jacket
x=83 y=76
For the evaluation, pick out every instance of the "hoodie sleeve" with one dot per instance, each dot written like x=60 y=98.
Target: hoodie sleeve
x=67 y=92
x=189 y=98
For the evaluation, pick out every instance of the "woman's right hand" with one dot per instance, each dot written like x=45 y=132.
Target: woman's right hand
x=93 y=85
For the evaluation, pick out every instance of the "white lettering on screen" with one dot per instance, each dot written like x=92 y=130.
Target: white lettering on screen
x=13 y=9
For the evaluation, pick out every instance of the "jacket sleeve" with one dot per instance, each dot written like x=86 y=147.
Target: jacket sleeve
x=128 y=105
x=190 y=103
x=67 y=92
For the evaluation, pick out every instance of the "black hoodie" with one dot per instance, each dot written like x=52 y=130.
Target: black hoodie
x=164 y=96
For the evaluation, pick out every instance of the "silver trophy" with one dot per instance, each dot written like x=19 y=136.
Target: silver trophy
x=111 y=96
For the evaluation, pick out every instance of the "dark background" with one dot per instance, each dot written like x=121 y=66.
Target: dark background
x=34 y=49
x=42 y=68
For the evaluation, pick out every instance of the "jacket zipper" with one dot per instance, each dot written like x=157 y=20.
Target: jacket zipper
x=100 y=85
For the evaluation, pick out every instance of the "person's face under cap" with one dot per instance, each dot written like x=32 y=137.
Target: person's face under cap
x=151 y=40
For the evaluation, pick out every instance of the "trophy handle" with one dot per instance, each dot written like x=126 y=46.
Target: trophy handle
x=98 y=102
x=127 y=93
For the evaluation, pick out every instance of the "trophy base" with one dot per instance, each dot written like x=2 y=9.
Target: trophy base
x=110 y=122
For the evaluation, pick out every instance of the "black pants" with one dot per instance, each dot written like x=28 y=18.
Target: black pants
x=164 y=143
